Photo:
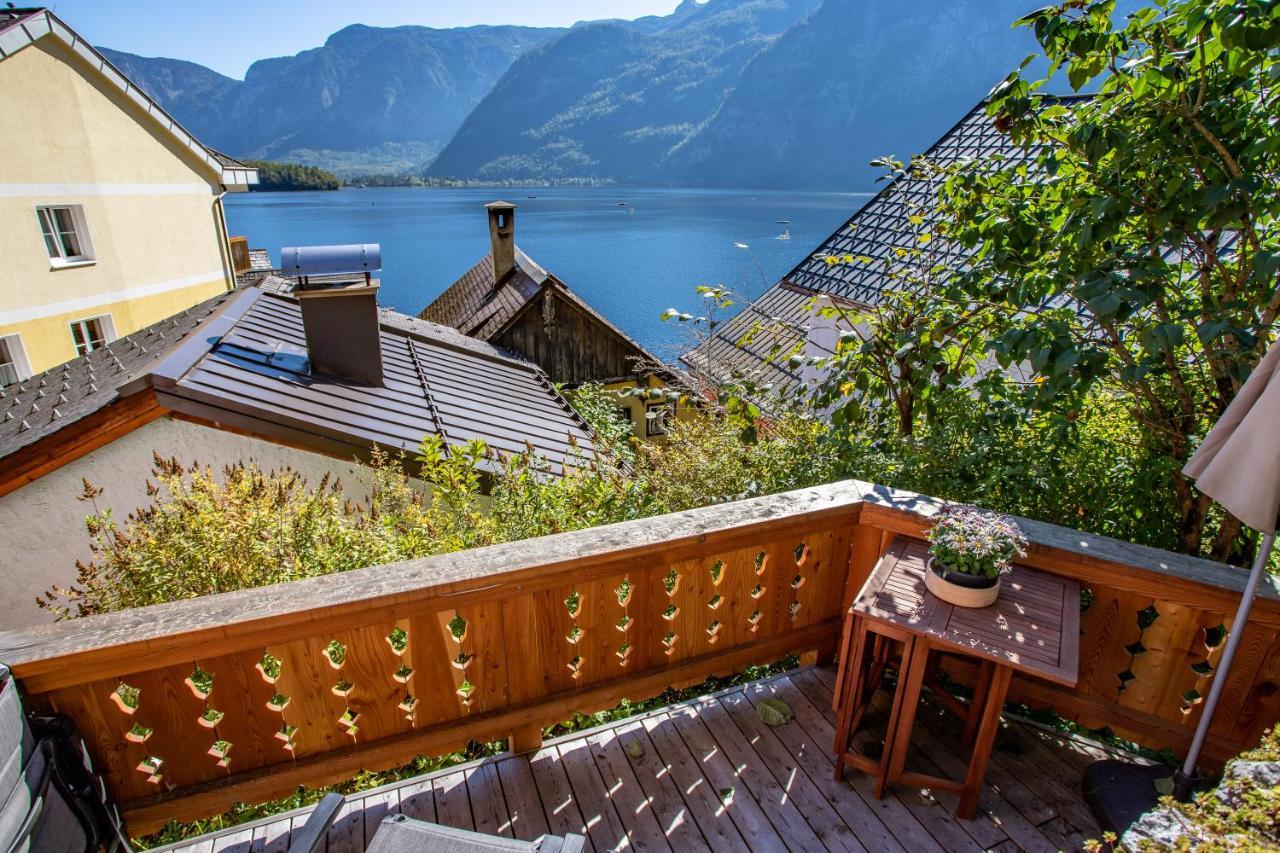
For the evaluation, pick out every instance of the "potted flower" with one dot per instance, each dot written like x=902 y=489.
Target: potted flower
x=969 y=550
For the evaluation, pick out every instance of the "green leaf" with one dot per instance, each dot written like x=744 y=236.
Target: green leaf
x=774 y=713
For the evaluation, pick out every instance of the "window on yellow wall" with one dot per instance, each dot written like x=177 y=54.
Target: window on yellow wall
x=92 y=333
x=14 y=366
x=66 y=236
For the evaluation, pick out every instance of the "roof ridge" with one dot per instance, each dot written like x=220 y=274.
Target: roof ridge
x=426 y=390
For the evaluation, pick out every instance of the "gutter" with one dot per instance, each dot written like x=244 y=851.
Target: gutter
x=224 y=241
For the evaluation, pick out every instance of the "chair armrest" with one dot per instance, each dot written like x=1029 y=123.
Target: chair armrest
x=311 y=838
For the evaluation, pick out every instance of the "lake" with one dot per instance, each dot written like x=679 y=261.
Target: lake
x=630 y=262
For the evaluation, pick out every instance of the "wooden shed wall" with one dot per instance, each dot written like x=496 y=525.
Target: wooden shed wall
x=568 y=343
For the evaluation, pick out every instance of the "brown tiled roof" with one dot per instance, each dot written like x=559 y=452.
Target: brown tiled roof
x=248 y=368
x=473 y=306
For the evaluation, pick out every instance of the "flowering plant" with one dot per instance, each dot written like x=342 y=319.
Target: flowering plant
x=974 y=542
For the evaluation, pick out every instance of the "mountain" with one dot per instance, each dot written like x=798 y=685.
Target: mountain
x=198 y=97
x=792 y=94
x=369 y=99
x=854 y=81
x=610 y=99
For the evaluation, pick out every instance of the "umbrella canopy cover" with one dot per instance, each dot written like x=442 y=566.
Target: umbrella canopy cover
x=1238 y=465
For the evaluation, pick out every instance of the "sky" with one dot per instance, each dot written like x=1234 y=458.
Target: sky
x=229 y=35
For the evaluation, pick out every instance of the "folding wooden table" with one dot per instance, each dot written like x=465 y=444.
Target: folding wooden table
x=1034 y=627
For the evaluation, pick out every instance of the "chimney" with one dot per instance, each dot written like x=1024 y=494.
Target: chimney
x=339 y=300
x=502 y=237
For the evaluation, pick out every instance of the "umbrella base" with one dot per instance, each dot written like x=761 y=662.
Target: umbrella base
x=1118 y=793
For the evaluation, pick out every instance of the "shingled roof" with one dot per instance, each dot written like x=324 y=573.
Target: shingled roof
x=240 y=360
x=784 y=314
x=51 y=401
x=475 y=307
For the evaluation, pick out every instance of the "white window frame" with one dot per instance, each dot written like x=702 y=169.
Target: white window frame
x=58 y=259
x=108 y=332
x=18 y=352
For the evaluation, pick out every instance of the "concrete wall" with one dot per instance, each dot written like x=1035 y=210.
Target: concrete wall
x=71 y=138
x=42 y=530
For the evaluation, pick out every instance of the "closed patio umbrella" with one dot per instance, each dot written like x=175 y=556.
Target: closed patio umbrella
x=1238 y=465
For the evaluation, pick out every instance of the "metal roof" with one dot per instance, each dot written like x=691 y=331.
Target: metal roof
x=247 y=368
x=20 y=28
x=751 y=346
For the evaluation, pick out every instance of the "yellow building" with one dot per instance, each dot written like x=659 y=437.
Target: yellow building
x=110 y=212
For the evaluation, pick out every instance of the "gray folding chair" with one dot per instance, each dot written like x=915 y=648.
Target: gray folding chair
x=50 y=799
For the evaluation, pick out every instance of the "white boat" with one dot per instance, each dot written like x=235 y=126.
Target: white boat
x=785 y=235
x=738 y=245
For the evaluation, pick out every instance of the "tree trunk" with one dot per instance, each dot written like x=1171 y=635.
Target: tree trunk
x=1228 y=532
x=1193 y=507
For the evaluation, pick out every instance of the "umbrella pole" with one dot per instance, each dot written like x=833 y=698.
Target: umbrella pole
x=1185 y=778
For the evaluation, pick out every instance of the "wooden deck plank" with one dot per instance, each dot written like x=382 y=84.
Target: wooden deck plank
x=604 y=827
x=1057 y=782
x=1061 y=833
x=296 y=823
x=488 y=804
x=453 y=805
x=725 y=780
x=704 y=803
x=558 y=804
x=418 y=800
x=791 y=745
x=523 y=803
x=937 y=819
x=346 y=835
x=669 y=808
x=668 y=797
x=816 y=722
x=749 y=742
x=992 y=804
x=272 y=837
x=633 y=805
x=234 y=842
x=379 y=805
x=1009 y=786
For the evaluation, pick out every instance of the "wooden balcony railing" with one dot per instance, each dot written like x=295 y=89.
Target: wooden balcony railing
x=191 y=706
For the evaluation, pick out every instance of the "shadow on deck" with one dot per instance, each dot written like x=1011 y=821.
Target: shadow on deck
x=708 y=774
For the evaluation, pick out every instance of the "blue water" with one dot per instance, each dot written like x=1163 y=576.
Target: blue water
x=630 y=262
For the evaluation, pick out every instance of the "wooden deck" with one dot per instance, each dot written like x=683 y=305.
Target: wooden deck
x=707 y=774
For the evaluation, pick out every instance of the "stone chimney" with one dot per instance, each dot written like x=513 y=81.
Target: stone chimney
x=502 y=237
x=341 y=323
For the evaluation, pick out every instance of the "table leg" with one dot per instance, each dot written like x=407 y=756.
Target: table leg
x=915 y=663
x=986 y=739
x=842 y=662
x=851 y=675
x=981 y=688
